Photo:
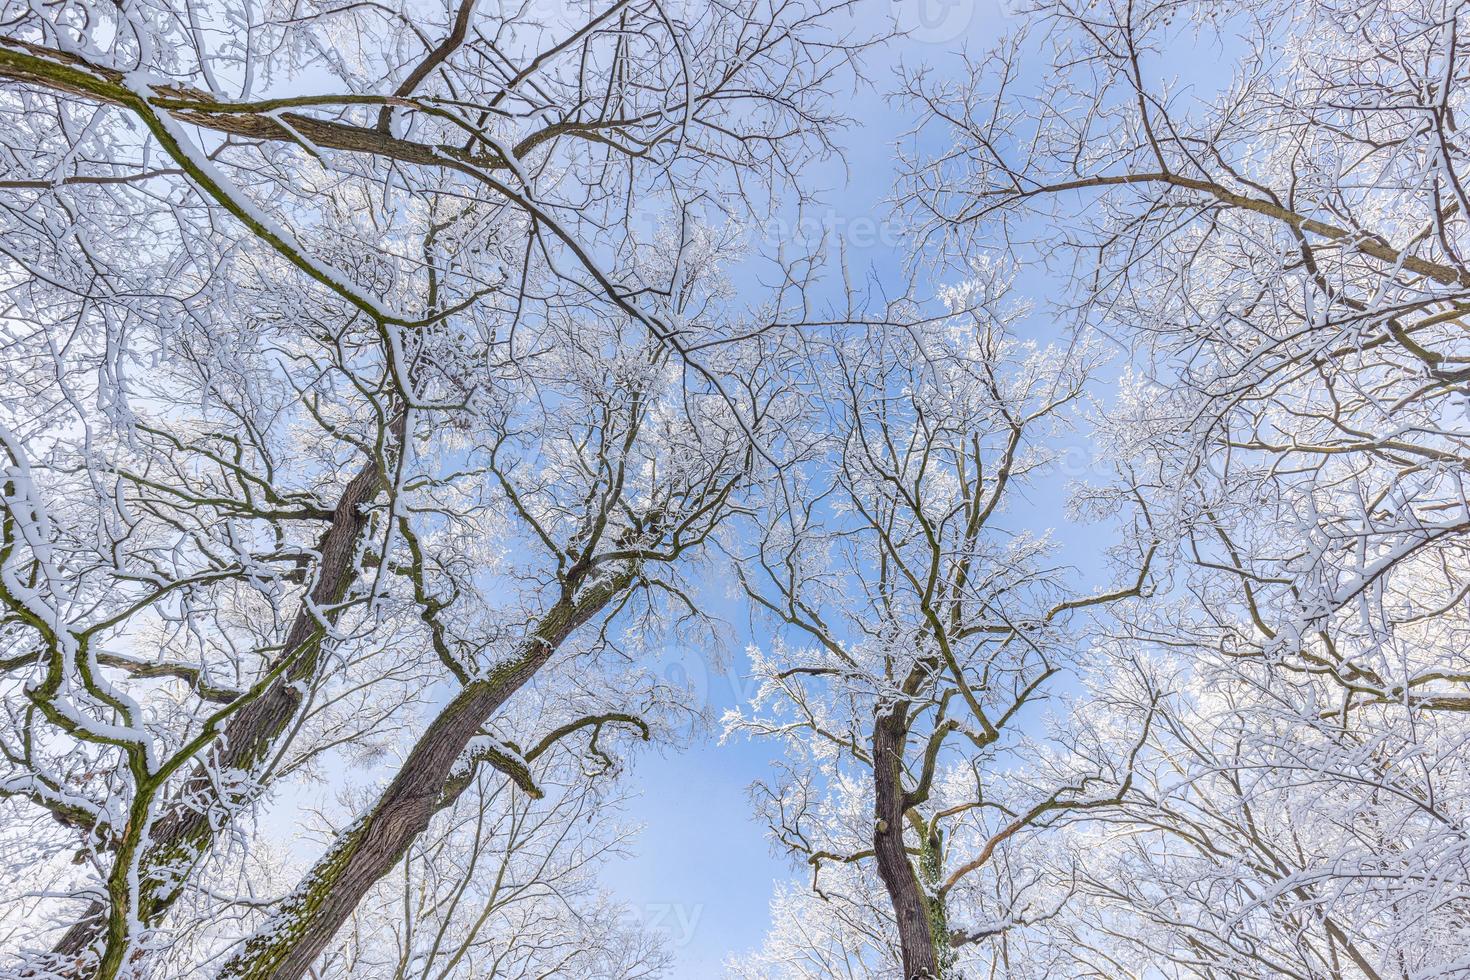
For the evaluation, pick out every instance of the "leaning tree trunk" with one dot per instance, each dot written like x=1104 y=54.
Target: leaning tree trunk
x=910 y=904
x=301 y=928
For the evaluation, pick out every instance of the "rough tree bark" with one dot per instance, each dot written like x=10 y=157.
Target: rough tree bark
x=300 y=929
x=910 y=904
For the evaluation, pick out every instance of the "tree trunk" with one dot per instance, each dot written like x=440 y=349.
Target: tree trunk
x=183 y=835
x=910 y=904
x=300 y=929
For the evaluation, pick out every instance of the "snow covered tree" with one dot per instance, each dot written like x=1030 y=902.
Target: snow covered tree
x=1258 y=842
x=920 y=632
x=1279 y=243
x=1281 y=247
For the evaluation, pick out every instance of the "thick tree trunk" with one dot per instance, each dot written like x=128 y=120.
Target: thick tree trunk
x=910 y=904
x=298 y=931
x=184 y=834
